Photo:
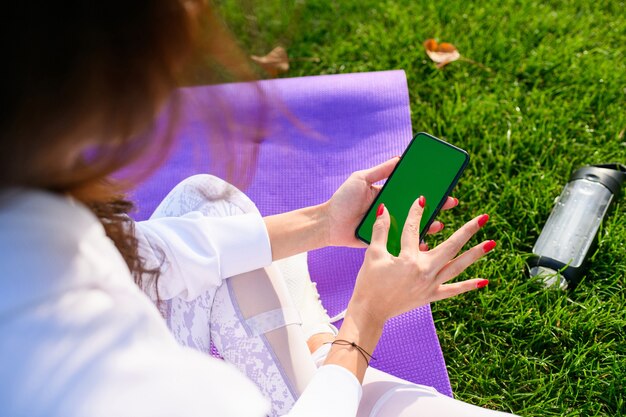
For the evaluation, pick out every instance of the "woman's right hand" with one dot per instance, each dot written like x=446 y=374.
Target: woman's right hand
x=388 y=286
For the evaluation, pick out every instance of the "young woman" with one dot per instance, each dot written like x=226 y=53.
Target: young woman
x=79 y=337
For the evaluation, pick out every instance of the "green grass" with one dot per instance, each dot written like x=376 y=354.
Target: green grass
x=553 y=99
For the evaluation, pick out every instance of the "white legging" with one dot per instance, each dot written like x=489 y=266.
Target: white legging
x=252 y=322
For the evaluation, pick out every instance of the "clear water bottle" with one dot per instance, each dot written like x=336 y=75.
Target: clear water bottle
x=567 y=237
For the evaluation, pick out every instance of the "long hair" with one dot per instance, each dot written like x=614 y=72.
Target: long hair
x=81 y=80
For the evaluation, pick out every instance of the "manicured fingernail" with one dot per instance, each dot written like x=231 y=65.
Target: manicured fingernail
x=483 y=219
x=442 y=225
x=482 y=283
x=421 y=201
x=380 y=210
x=456 y=201
x=489 y=246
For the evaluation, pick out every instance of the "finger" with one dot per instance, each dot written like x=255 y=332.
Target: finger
x=382 y=171
x=453 y=245
x=460 y=263
x=451 y=202
x=452 y=290
x=424 y=247
x=380 y=229
x=435 y=227
x=410 y=239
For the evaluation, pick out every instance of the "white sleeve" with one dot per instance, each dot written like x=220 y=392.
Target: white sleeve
x=195 y=252
x=333 y=392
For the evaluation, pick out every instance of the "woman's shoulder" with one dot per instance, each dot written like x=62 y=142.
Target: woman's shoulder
x=79 y=338
x=48 y=244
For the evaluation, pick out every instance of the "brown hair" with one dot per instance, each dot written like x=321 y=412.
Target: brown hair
x=80 y=81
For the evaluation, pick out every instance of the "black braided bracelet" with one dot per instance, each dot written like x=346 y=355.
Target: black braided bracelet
x=362 y=351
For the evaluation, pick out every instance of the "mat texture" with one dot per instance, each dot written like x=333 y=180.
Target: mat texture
x=315 y=131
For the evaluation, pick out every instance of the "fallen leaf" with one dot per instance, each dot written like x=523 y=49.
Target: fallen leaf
x=274 y=63
x=441 y=53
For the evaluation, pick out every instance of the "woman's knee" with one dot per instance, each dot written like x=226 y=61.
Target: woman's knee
x=207 y=194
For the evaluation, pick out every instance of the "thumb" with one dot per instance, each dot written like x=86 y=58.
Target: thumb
x=381 y=171
x=380 y=229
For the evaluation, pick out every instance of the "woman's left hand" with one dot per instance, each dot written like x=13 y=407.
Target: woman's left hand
x=350 y=202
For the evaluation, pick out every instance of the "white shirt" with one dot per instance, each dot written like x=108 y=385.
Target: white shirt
x=78 y=338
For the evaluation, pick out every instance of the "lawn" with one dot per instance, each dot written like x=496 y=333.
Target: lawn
x=549 y=96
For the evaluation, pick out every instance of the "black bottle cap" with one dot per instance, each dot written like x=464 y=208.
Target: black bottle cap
x=571 y=274
x=612 y=176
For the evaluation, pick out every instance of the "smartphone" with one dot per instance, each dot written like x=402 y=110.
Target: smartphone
x=428 y=167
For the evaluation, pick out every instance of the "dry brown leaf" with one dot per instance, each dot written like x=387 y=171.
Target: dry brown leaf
x=441 y=53
x=274 y=63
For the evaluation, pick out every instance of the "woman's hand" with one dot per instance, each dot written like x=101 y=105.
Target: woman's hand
x=334 y=222
x=388 y=286
x=348 y=205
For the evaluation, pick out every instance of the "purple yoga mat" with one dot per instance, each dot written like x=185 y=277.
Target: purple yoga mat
x=316 y=131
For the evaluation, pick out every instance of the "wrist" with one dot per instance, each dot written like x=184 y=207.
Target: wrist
x=298 y=231
x=358 y=326
x=324 y=221
x=364 y=315
x=354 y=345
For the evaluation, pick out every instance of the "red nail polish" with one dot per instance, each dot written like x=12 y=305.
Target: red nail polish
x=489 y=246
x=483 y=219
x=456 y=201
x=380 y=210
x=442 y=225
x=482 y=283
x=421 y=201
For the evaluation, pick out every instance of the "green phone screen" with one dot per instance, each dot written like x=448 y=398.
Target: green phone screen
x=428 y=167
